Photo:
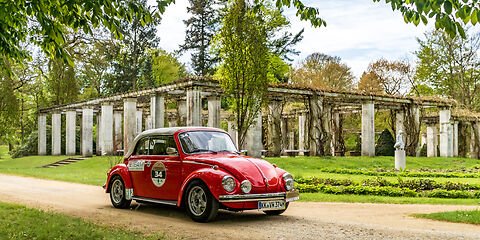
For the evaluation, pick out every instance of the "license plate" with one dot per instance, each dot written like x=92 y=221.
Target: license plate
x=271 y=205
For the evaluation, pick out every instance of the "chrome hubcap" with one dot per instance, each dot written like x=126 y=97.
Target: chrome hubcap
x=197 y=201
x=117 y=191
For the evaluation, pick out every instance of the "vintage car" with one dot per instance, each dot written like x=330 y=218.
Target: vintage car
x=200 y=169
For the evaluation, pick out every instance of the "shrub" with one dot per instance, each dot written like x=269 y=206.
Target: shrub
x=385 y=144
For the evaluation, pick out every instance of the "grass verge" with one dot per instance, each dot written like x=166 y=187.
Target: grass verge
x=467 y=216
x=19 y=222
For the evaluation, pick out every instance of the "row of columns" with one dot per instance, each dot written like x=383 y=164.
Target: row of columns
x=109 y=123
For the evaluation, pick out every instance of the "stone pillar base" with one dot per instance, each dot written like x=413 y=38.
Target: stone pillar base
x=400 y=159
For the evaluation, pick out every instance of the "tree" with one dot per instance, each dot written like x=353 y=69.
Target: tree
x=201 y=28
x=45 y=23
x=129 y=55
x=166 y=67
x=242 y=44
x=321 y=70
x=450 y=67
x=390 y=77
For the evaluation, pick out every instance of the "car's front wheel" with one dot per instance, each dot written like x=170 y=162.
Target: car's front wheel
x=118 y=194
x=276 y=212
x=200 y=204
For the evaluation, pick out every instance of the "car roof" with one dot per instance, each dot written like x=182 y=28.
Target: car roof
x=164 y=131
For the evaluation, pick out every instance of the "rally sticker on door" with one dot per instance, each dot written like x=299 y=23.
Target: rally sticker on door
x=136 y=165
x=158 y=174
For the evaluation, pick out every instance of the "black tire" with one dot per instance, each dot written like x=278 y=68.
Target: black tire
x=276 y=212
x=197 y=192
x=117 y=193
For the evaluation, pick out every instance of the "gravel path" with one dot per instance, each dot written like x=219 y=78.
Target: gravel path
x=301 y=221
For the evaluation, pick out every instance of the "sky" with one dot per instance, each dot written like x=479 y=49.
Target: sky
x=358 y=31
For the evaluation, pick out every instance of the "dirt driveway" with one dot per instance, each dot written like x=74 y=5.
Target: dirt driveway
x=301 y=221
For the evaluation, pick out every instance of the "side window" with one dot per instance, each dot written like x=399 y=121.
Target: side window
x=142 y=147
x=159 y=145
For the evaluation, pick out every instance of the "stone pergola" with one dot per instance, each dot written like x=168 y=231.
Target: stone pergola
x=120 y=117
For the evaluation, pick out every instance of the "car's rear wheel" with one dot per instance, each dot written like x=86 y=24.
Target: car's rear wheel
x=276 y=212
x=118 y=194
x=200 y=204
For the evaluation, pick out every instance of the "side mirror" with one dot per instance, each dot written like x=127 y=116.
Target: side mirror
x=171 y=151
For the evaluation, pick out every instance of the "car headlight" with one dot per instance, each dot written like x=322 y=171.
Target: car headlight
x=289 y=182
x=228 y=183
x=246 y=186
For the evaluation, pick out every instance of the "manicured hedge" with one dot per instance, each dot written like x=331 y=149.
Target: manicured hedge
x=382 y=187
x=393 y=173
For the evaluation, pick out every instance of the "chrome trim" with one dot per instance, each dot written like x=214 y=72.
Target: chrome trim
x=152 y=200
x=194 y=162
x=252 y=197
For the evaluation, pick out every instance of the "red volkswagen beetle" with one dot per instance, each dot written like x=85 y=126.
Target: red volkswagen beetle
x=201 y=169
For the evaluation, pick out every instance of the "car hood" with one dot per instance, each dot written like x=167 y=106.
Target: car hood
x=259 y=172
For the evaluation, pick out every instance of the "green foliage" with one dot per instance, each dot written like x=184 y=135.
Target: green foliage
x=53 y=19
x=201 y=28
x=385 y=144
x=463 y=216
x=166 y=67
x=448 y=66
x=243 y=73
x=19 y=222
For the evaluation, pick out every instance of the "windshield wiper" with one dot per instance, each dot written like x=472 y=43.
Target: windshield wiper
x=203 y=150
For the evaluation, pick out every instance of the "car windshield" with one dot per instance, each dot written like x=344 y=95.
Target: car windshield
x=206 y=142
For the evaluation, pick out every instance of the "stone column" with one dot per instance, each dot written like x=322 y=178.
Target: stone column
x=318 y=136
x=431 y=140
x=70 y=130
x=446 y=141
x=172 y=122
x=254 y=143
x=194 y=107
x=455 y=139
x=291 y=140
x=368 y=129
x=182 y=113
x=232 y=132
x=338 y=145
x=129 y=122
x=42 y=134
x=400 y=124
x=87 y=132
x=56 y=133
x=423 y=139
x=157 y=110
x=214 y=106
x=148 y=122
x=274 y=138
x=475 y=140
x=117 y=140
x=284 y=133
x=107 y=129
x=139 y=121
x=302 y=132
x=99 y=140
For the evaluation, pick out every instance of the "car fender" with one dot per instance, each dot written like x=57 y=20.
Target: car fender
x=211 y=177
x=122 y=171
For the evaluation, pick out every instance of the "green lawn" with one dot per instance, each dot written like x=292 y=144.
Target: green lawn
x=19 y=222
x=309 y=166
x=93 y=171
x=90 y=171
x=472 y=216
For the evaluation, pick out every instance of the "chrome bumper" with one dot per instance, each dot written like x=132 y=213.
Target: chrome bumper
x=287 y=196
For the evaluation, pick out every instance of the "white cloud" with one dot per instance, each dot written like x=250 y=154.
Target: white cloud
x=358 y=31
